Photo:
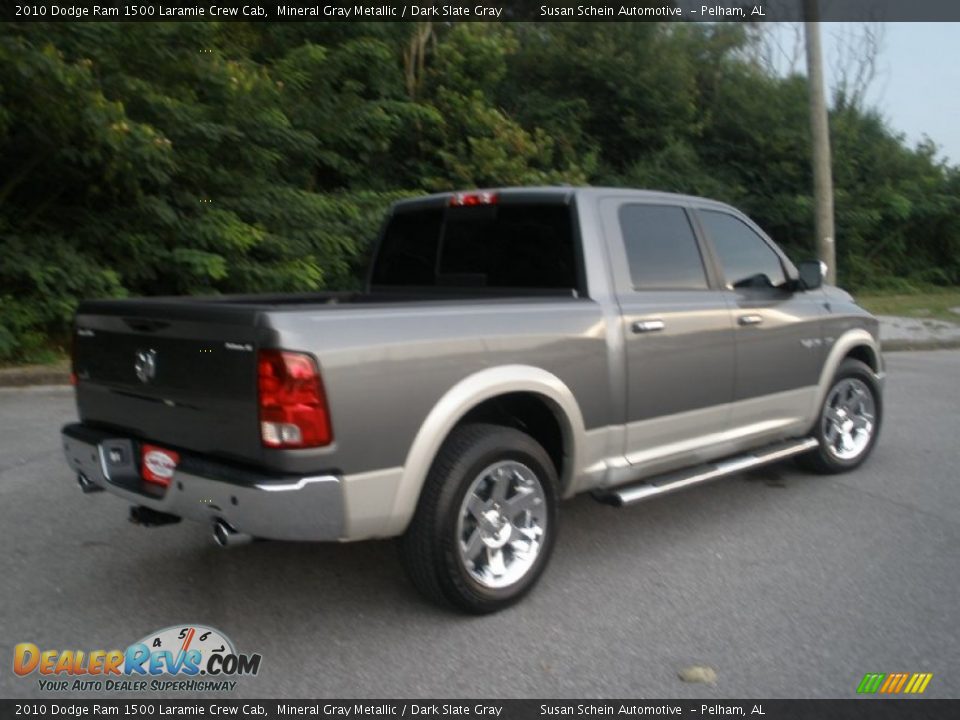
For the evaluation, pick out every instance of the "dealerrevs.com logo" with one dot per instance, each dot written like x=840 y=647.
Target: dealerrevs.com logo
x=181 y=657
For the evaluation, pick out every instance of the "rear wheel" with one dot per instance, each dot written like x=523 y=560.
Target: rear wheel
x=487 y=519
x=849 y=420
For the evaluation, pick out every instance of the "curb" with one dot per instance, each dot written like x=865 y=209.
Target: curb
x=30 y=375
x=34 y=375
x=898 y=345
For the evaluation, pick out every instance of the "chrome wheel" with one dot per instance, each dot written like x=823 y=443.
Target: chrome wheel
x=849 y=417
x=501 y=525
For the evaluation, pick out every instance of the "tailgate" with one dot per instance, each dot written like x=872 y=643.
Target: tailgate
x=177 y=372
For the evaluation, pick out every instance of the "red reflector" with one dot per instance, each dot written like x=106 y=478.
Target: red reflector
x=157 y=464
x=473 y=199
x=73 y=357
x=293 y=403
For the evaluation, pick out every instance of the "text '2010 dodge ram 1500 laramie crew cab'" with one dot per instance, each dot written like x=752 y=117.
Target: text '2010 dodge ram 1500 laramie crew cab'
x=512 y=347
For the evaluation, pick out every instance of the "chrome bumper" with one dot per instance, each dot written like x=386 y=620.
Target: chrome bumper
x=284 y=508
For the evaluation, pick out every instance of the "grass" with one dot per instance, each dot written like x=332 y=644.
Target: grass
x=932 y=304
x=42 y=358
x=36 y=374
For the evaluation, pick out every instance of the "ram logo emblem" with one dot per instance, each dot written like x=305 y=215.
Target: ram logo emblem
x=145 y=365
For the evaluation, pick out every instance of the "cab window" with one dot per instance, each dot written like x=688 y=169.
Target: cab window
x=661 y=248
x=746 y=258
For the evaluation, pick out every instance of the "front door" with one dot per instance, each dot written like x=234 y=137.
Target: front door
x=779 y=342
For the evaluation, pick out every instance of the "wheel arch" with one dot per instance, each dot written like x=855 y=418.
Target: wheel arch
x=865 y=354
x=478 y=396
x=858 y=344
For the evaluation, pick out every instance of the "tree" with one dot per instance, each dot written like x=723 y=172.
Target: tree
x=162 y=158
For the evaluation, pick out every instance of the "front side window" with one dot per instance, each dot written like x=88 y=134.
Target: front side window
x=661 y=248
x=746 y=258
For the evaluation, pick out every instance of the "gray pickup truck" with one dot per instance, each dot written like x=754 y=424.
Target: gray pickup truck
x=512 y=347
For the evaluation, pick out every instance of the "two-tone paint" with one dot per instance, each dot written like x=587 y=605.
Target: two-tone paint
x=638 y=382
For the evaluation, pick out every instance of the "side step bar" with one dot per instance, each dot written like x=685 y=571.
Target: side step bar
x=671 y=482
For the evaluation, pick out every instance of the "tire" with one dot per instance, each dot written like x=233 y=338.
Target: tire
x=492 y=491
x=848 y=423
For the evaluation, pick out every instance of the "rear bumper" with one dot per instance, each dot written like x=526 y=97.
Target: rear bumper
x=259 y=504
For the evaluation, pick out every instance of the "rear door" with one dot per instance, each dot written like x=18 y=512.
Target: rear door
x=677 y=330
x=779 y=342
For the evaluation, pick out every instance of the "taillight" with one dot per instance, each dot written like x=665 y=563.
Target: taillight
x=293 y=404
x=473 y=199
x=73 y=357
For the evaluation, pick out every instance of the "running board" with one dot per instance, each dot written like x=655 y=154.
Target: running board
x=671 y=482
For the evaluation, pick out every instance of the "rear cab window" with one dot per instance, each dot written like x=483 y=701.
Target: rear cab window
x=506 y=245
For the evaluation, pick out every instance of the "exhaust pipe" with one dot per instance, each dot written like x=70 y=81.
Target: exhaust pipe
x=226 y=536
x=87 y=485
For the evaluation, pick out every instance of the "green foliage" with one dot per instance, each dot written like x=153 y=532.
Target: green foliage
x=170 y=158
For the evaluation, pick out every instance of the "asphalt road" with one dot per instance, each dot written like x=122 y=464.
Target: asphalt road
x=787 y=585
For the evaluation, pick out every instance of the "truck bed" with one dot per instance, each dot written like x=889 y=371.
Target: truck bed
x=203 y=397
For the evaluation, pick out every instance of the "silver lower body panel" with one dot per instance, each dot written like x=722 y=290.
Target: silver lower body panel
x=297 y=508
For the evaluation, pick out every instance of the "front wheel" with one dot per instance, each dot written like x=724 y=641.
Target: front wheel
x=487 y=519
x=849 y=420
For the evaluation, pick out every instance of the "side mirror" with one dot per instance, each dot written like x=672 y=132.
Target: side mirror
x=812 y=273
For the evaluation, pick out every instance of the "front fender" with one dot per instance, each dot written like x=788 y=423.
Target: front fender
x=849 y=340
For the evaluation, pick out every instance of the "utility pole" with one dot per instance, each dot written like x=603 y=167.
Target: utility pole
x=820 y=135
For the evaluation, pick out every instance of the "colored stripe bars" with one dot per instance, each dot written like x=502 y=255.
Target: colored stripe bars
x=894 y=683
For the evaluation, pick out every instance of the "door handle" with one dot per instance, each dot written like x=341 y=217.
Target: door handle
x=750 y=319
x=645 y=326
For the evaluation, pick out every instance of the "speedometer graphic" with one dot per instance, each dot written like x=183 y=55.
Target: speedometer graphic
x=191 y=644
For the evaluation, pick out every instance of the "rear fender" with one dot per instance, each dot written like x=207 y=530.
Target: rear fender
x=463 y=397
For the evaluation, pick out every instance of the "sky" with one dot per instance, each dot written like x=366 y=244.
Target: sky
x=917 y=83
